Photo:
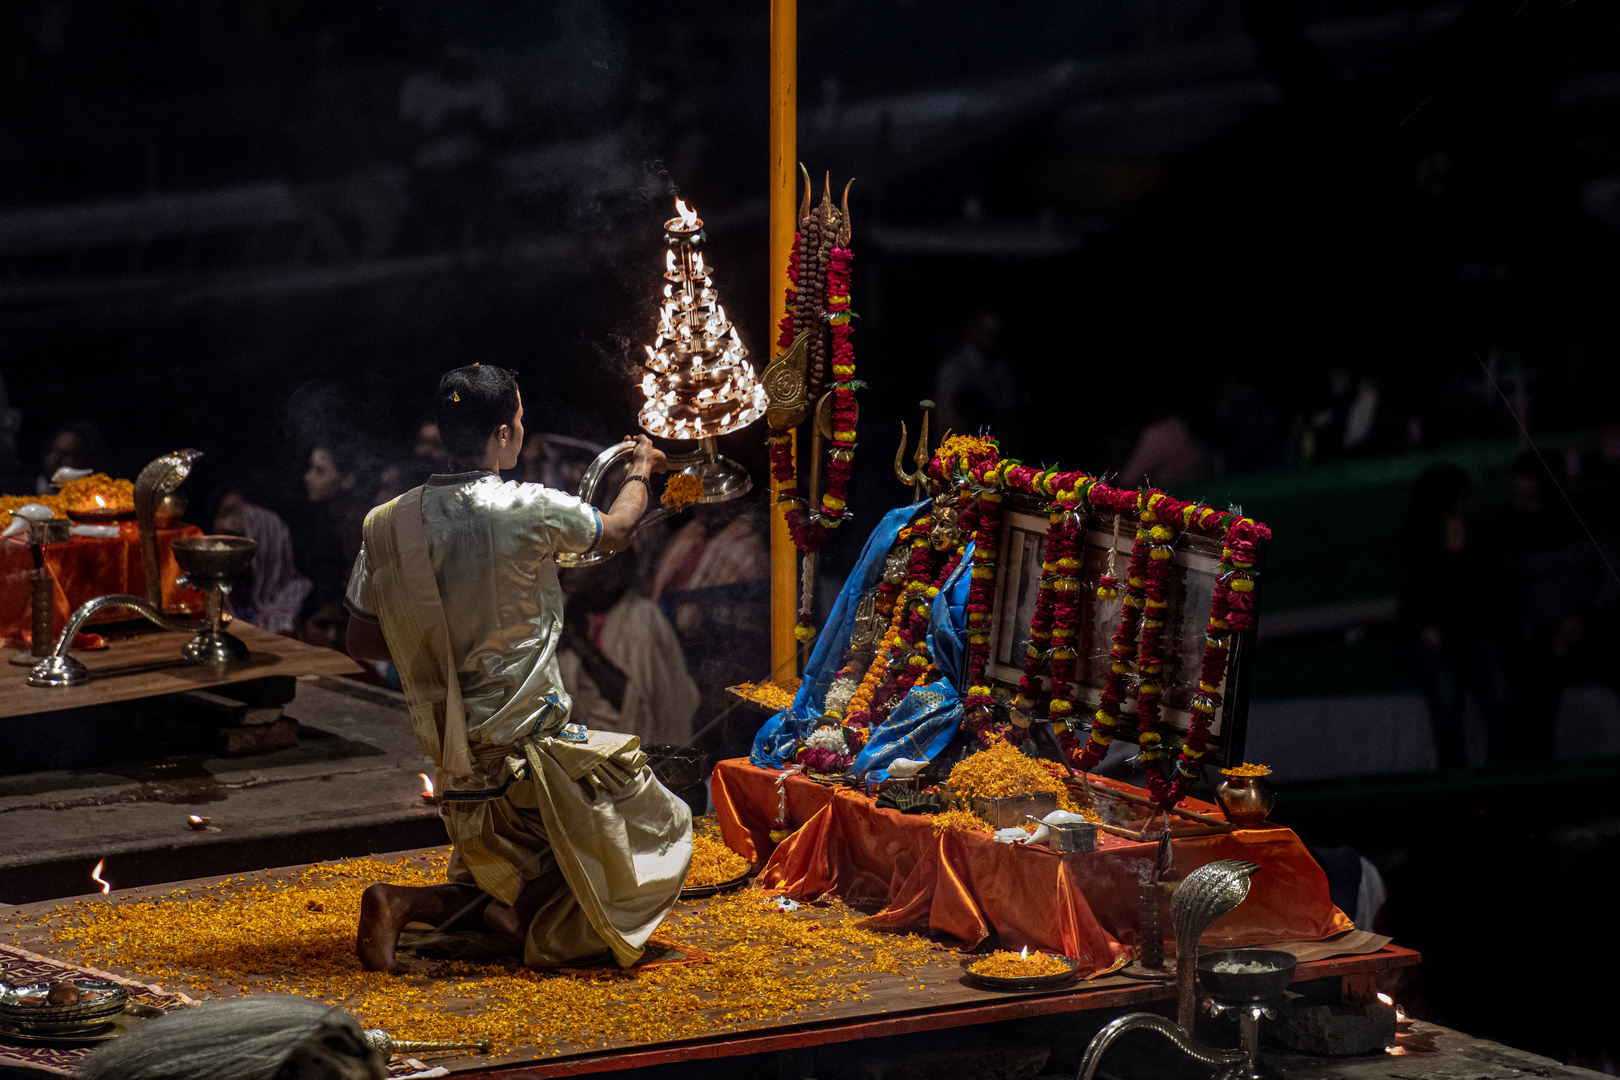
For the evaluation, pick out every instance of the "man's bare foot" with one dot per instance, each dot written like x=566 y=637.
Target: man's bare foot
x=384 y=911
x=502 y=919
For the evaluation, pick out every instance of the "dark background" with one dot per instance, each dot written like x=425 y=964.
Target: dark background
x=212 y=235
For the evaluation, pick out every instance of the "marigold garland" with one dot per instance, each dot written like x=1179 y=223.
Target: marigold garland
x=1146 y=585
x=818 y=297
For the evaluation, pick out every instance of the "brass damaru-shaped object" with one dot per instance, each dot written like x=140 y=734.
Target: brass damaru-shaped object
x=786 y=387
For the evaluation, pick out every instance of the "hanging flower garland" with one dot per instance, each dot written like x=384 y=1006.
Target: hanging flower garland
x=971 y=464
x=824 y=268
x=1146 y=594
x=911 y=663
x=1156 y=537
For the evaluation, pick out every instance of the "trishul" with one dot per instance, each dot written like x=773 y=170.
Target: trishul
x=919 y=478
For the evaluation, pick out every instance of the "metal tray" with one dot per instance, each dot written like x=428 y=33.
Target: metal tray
x=121 y=1024
x=64 y=1020
x=1039 y=982
x=693 y=892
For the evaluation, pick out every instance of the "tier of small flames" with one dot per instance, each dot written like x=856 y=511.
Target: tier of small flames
x=698 y=382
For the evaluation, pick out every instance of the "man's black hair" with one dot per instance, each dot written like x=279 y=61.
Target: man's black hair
x=473 y=402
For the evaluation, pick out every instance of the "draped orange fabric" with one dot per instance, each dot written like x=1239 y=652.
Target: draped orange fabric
x=967 y=886
x=85 y=569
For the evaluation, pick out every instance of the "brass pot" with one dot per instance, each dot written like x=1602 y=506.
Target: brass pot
x=170 y=509
x=1246 y=800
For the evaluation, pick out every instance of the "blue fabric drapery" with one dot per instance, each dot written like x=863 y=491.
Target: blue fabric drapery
x=923 y=721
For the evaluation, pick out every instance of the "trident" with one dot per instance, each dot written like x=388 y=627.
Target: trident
x=918 y=479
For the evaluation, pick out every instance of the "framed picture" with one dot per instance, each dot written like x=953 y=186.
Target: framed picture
x=1194 y=567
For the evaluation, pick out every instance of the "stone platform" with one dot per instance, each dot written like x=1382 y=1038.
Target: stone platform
x=118 y=781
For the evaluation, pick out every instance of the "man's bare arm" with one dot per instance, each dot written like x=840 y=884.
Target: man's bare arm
x=365 y=641
x=619 y=523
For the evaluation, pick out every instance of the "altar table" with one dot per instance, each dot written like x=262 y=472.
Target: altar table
x=85 y=568
x=965 y=885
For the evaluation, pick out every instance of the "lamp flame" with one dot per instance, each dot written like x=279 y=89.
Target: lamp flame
x=688 y=215
x=1023 y=954
x=95 y=875
x=427 y=785
x=100 y=502
x=1386 y=999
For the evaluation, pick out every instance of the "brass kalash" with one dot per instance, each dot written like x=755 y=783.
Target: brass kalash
x=696 y=380
x=212 y=564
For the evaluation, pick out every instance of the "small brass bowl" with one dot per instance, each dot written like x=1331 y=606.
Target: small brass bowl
x=171 y=508
x=214 y=558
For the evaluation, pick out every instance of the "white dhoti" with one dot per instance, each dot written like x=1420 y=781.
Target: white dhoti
x=460 y=575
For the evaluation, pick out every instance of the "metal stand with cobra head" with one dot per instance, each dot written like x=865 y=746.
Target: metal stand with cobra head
x=211 y=563
x=1249 y=982
x=722 y=480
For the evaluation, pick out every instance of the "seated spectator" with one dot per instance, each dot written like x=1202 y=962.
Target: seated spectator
x=329 y=528
x=1557 y=611
x=713 y=583
x=399 y=477
x=719 y=547
x=620 y=659
x=276 y=590
x=72 y=446
x=557 y=461
x=1167 y=453
x=430 y=446
x=323 y=621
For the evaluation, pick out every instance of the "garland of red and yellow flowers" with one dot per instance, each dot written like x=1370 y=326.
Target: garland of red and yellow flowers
x=810 y=526
x=1057 y=611
x=903 y=659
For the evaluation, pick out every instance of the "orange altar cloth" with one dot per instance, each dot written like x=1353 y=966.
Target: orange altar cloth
x=84 y=569
x=967 y=886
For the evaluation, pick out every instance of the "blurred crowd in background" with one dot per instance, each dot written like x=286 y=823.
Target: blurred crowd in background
x=1170 y=241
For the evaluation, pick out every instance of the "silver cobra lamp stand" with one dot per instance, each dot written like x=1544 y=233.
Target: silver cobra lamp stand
x=211 y=563
x=1204 y=896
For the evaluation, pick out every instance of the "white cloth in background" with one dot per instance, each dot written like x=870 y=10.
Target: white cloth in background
x=659 y=696
x=1371 y=896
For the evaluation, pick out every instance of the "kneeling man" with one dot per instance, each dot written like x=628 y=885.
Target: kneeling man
x=564 y=841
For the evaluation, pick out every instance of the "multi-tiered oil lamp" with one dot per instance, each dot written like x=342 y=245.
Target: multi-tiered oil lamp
x=697 y=380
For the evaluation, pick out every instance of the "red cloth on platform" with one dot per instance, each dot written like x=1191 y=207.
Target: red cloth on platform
x=85 y=569
x=967 y=886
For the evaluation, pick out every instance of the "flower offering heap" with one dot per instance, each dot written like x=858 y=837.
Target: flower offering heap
x=698 y=382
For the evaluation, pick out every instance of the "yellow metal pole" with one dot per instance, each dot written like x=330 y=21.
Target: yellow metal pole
x=783 y=206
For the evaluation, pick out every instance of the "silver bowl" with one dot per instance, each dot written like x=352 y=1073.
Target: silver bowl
x=1247 y=987
x=214 y=558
